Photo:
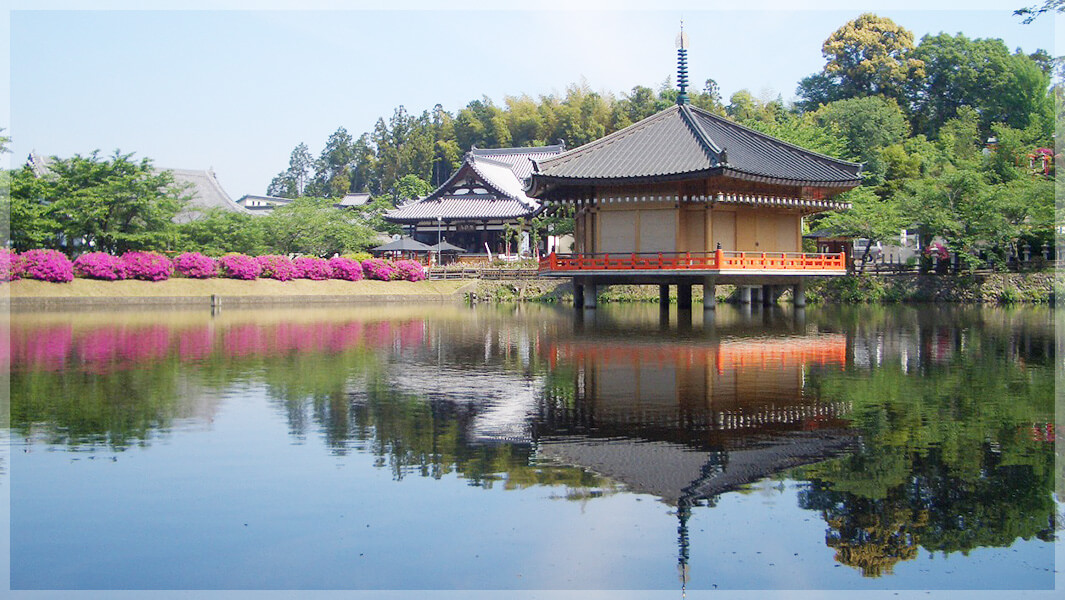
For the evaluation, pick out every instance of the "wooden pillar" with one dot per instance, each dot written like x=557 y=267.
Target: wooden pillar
x=709 y=293
x=684 y=296
x=756 y=294
x=745 y=294
x=663 y=295
x=798 y=293
x=767 y=295
x=578 y=294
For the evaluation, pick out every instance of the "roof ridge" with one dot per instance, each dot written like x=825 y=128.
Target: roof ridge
x=488 y=180
x=515 y=150
x=611 y=138
x=713 y=152
x=776 y=140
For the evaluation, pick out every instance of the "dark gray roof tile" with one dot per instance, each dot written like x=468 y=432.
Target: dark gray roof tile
x=684 y=140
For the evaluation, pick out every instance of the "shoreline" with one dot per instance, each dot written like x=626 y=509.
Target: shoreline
x=993 y=289
x=28 y=293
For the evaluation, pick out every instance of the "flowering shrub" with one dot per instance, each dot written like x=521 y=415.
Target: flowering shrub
x=100 y=265
x=148 y=266
x=277 y=267
x=378 y=268
x=313 y=268
x=46 y=265
x=937 y=250
x=195 y=265
x=7 y=265
x=409 y=270
x=345 y=268
x=239 y=266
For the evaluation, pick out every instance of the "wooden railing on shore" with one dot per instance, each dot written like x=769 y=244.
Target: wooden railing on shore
x=720 y=260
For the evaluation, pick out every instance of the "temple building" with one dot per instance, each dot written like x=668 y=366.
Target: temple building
x=687 y=197
x=474 y=206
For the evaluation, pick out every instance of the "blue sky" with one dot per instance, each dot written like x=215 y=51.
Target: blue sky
x=236 y=90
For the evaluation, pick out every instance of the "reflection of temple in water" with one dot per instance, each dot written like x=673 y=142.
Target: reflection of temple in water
x=686 y=421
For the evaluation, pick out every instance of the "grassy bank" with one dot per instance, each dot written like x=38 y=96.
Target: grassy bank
x=28 y=291
x=994 y=288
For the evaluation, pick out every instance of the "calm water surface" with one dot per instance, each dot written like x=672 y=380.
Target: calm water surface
x=533 y=448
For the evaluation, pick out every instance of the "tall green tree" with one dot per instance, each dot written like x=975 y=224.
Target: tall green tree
x=869 y=55
x=112 y=205
x=291 y=182
x=1002 y=87
x=868 y=124
x=331 y=170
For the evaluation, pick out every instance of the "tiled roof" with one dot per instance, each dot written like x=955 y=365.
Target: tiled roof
x=462 y=208
x=519 y=159
x=501 y=172
x=684 y=141
x=354 y=199
x=206 y=192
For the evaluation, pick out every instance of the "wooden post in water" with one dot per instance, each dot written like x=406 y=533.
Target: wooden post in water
x=709 y=291
x=684 y=296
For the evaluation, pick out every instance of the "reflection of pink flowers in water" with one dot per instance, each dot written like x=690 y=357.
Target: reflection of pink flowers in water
x=102 y=349
x=42 y=349
x=118 y=346
x=243 y=340
x=412 y=334
x=196 y=343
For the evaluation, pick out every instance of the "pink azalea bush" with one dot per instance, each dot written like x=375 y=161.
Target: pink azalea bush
x=409 y=270
x=46 y=265
x=148 y=266
x=195 y=265
x=100 y=265
x=345 y=268
x=277 y=267
x=378 y=268
x=7 y=265
x=239 y=266
x=313 y=268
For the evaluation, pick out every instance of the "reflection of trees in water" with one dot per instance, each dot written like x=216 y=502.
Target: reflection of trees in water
x=952 y=457
x=938 y=511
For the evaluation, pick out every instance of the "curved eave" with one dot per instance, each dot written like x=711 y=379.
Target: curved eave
x=541 y=184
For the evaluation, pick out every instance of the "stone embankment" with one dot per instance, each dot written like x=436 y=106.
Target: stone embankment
x=995 y=288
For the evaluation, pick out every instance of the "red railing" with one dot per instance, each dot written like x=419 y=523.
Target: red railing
x=720 y=260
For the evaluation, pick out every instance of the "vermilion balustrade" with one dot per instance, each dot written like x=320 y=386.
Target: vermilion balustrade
x=720 y=260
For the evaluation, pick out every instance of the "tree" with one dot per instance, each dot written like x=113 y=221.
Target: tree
x=331 y=169
x=219 y=231
x=869 y=217
x=111 y=205
x=313 y=226
x=290 y=183
x=868 y=56
x=868 y=124
x=981 y=74
x=31 y=222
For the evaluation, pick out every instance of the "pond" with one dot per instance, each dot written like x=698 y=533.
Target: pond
x=533 y=448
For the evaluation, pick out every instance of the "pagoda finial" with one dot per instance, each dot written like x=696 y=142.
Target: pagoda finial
x=682 y=65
